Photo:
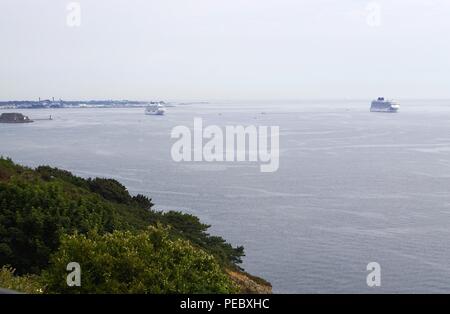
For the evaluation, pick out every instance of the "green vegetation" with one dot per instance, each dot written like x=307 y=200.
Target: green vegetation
x=49 y=216
x=145 y=262
x=26 y=284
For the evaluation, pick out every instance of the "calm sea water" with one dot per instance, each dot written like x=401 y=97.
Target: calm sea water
x=353 y=187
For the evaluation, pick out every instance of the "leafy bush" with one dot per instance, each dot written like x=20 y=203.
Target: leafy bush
x=33 y=215
x=37 y=206
x=143 y=201
x=189 y=227
x=111 y=190
x=48 y=173
x=40 y=207
x=26 y=284
x=144 y=262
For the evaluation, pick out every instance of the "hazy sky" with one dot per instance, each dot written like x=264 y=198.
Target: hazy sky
x=225 y=49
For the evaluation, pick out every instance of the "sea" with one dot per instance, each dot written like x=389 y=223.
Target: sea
x=352 y=187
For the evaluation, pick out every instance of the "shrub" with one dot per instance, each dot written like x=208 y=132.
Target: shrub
x=143 y=262
x=27 y=284
x=111 y=190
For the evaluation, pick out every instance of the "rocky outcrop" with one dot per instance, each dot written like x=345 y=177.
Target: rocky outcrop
x=249 y=284
x=14 y=117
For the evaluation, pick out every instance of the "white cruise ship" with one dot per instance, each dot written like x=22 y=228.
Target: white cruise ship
x=384 y=105
x=155 y=109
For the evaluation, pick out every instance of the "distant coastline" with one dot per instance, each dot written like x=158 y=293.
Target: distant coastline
x=47 y=103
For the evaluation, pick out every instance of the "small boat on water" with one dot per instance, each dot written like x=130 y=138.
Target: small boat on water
x=155 y=109
x=383 y=105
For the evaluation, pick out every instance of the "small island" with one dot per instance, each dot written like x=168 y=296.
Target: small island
x=14 y=117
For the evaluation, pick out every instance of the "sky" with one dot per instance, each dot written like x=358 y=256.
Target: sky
x=224 y=49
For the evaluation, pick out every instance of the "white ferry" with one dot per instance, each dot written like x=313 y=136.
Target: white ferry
x=155 y=109
x=382 y=105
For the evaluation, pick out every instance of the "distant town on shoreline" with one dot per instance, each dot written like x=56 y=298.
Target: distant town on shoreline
x=52 y=103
